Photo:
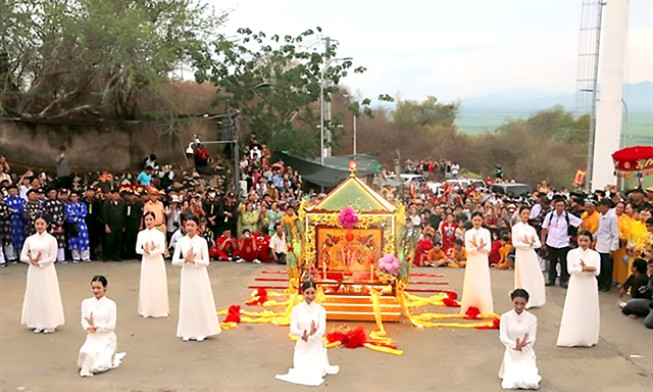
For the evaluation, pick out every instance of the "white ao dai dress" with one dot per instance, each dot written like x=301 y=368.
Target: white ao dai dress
x=153 y=293
x=42 y=306
x=197 y=317
x=580 y=315
x=519 y=369
x=477 y=289
x=310 y=361
x=97 y=353
x=528 y=274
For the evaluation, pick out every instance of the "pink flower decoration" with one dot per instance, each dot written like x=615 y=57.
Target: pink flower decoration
x=348 y=217
x=389 y=264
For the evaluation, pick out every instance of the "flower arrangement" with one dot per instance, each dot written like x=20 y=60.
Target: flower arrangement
x=389 y=264
x=348 y=217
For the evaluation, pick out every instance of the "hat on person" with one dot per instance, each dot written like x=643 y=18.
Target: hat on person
x=512 y=207
x=29 y=192
x=590 y=200
x=174 y=199
x=153 y=191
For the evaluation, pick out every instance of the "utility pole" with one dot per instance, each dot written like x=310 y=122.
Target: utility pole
x=327 y=111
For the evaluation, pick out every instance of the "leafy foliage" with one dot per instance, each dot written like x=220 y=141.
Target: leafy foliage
x=275 y=84
x=88 y=58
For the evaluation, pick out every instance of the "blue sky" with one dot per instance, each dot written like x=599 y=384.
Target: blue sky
x=450 y=48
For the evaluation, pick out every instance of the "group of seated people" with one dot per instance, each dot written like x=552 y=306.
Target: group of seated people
x=639 y=286
x=433 y=254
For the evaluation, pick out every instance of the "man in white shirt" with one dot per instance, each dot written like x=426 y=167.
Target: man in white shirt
x=607 y=241
x=278 y=245
x=555 y=234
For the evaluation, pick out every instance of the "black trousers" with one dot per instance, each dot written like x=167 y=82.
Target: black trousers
x=558 y=255
x=605 y=277
x=129 y=239
x=112 y=246
x=281 y=258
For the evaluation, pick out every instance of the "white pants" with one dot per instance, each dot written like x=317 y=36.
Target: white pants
x=10 y=252
x=61 y=254
x=2 y=256
x=84 y=255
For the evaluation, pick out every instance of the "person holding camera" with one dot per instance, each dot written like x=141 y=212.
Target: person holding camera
x=556 y=229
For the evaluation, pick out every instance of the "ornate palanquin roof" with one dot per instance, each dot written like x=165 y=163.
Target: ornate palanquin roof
x=356 y=193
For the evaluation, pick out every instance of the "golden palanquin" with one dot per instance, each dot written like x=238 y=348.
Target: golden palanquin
x=346 y=258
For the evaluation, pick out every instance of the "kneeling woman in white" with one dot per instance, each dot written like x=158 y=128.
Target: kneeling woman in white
x=517 y=332
x=308 y=323
x=580 y=316
x=98 y=354
x=42 y=306
x=197 y=317
x=153 y=293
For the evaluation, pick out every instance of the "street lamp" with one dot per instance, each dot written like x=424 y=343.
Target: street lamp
x=322 y=103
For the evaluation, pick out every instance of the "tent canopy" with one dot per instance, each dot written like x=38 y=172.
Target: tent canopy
x=335 y=169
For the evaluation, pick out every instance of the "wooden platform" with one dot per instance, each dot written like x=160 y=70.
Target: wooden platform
x=359 y=308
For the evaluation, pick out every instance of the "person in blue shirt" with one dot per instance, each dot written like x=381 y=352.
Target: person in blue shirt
x=145 y=177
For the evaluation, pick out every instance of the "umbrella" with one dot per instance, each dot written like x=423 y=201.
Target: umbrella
x=633 y=161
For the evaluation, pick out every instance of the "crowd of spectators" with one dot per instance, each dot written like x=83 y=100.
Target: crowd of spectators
x=98 y=215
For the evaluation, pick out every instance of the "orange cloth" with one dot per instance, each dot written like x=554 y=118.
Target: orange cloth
x=620 y=267
x=590 y=222
x=504 y=262
x=458 y=258
x=436 y=258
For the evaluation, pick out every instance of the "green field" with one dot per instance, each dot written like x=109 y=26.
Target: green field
x=639 y=125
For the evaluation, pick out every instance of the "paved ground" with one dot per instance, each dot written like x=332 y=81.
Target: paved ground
x=246 y=359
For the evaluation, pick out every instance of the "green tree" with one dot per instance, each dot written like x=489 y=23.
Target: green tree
x=102 y=59
x=275 y=84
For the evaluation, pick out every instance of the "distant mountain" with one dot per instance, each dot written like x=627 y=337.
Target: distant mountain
x=486 y=113
x=517 y=102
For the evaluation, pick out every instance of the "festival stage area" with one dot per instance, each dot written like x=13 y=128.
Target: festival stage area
x=246 y=358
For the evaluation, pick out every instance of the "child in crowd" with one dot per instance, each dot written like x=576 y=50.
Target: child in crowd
x=436 y=256
x=505 y=262
x=422 y=249
x=458 y=257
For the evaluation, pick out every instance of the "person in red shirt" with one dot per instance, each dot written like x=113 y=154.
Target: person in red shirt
x=248 y=247
x=495 y=257
x=422 y=250
x=448 y=232
x=226 y=248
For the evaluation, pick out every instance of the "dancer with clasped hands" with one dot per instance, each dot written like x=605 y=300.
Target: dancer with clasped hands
x=153 y=294
x=197 y=317
x=477 y=289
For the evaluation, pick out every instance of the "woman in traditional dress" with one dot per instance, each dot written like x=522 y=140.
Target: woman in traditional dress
x=308 y=323
x=98 y=353
x=197 y=317
x=517 y=331
x=42 y=306
x=153 y=294
x=528 y=274
x=477 y=289
x=248 y=219
x=580 y=315
x=78 y=243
